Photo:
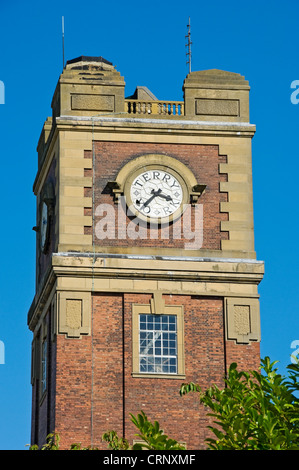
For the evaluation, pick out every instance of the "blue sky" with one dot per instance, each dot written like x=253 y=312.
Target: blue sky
x=146 y=43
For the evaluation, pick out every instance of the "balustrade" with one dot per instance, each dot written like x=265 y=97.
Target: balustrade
x=162 y=108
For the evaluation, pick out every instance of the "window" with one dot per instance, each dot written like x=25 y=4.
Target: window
x=44 y=367
x=158 y=342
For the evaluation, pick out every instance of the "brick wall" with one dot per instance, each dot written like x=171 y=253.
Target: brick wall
x=43 y=404
x=91 y=388
x=95 y=373
x=247 y=356
x=204 y=363
x=202 y=160
x=73 y=389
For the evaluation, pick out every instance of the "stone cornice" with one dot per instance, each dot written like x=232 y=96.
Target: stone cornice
x=123 y=123
x=158 y=267
x=173 y=125
x=129 y=273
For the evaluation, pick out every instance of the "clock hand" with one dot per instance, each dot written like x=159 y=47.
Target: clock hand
x=154 y=194
x=167 y=197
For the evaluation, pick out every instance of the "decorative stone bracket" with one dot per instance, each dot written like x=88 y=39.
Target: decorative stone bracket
x=74 y=313
x=116 y=189
x=196 y=192
x=242 y=318
x=157 y=304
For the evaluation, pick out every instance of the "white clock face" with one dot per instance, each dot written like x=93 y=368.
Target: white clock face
x=44 y=224
x=156 y=194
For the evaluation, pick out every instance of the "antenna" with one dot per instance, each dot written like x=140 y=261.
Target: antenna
x=63 y=42
x=188 y=54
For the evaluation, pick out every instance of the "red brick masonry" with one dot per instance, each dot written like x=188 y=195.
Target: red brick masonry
x=202 y=160
x=91 y=389
x=94 y=383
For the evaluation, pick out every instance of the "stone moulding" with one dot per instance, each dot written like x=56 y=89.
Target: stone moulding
x=76 y=277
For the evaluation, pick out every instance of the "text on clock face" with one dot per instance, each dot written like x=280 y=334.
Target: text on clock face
x=156 y=193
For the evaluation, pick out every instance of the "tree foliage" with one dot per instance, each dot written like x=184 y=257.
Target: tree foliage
x=257 y=410
x=52 y=443
x=150 y=437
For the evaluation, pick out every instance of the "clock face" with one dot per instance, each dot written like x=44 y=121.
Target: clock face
x=44 y=225
x=156 y=194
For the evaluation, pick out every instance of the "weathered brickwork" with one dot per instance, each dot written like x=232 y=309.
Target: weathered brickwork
x=43 y=403
x=73 y=388
x=204 y=363
x=95 y=390
x=247 y=356
x=203 y=160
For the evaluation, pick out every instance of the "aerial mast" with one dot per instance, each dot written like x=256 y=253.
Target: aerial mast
x=63 y=42
x=188 y=36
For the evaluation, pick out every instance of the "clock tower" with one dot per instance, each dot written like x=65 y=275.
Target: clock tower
x=146 y=274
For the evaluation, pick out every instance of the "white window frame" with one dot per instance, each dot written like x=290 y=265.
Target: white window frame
x=177 y=311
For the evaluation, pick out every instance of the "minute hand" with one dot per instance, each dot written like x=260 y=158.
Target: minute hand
x=167 y=197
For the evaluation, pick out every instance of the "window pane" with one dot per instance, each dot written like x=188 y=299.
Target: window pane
x=157 y=344
x=143 y=365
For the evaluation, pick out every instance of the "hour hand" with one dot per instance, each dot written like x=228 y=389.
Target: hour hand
x=154 y=194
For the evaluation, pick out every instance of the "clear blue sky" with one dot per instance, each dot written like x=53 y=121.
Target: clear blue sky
x=146 y=42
